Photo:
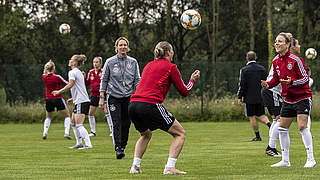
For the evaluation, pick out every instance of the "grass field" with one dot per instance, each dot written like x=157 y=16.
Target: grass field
x=212 y=151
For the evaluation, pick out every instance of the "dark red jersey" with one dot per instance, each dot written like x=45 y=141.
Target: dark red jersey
x=53 y=82
x=93 y=79
x=291 y=65
x=155 y=82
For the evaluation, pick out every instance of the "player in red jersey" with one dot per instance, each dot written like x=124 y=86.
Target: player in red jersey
x=93 y=79
x=53 y=82
x=290 y=70
x=146 y=109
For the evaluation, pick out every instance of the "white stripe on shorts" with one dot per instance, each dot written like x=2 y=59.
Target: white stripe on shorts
x=64 y=102
x=163 y=113
x=79 y=108
x=275 y=99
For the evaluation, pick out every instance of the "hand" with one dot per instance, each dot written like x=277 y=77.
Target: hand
x=240 y=102
x=70 y=101
x=55 y=92
x=264 y=84
x=195 y=75
x=101 y=103
x=286 y=81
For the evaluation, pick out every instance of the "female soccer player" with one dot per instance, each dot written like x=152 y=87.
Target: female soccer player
x=290 y=71
x=93 y=79
x=81 y=100
x=120 y=76
x=147 y=112
x=53 y=82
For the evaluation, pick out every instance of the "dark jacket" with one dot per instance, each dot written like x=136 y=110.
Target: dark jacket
x=250 y=82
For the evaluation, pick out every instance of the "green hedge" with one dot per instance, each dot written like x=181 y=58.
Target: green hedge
x=184 y=109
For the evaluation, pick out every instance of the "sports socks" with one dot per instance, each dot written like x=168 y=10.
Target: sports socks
x=92 y=122
x=307 y=141
x=110 y=124
x=257 y=134
x=284 y=142
x=171 y=162
x=76 y=134
x=46 y=126
x=84 y=134
x=309 y=122
x=136 y=161
x=274 y=133
x=67 y=125
x=269 y=124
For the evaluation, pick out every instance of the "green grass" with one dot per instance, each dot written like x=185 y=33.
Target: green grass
x=213 y=150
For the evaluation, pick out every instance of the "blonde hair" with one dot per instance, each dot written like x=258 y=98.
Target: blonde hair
x=100 y=59
x=117 y=42
x=80 y=58
x=161 y=49
x=48 y=67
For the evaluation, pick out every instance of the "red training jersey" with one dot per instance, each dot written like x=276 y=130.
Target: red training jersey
x=155 y=82
x=53 y=82
x=93 y=79
x=291 y=65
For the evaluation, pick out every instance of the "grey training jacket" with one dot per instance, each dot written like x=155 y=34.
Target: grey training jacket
x=120 y=76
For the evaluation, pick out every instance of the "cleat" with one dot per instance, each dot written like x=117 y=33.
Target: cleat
x=135 y=170
x=169 y=170
x=44 y=137
x=310 y=163
x=77 y=146
x=92 y=134
x=256 y=139
x=281 y=164
x=86 y=147
x=272 y=152
x=120 y=153
x=67 y=137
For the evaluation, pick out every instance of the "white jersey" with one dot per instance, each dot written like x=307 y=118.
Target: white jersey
x=310 y=82
x=277 y=89
x=78 y=91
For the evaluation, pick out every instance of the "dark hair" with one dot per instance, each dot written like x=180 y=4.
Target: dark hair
x=251 y=55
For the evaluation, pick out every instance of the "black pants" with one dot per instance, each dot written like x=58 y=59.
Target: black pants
x=118 y=108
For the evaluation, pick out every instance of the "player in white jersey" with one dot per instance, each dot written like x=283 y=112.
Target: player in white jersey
x=81 y=100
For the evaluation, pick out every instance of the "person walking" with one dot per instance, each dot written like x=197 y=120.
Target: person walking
x=249 y=92
x=120 y=77
x=148 y=113
x=290 y=71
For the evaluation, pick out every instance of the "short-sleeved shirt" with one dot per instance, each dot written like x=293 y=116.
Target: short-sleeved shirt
x=78 y=91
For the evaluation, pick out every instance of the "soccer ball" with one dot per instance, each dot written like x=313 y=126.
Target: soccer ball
x=190 y=19
x=64 y=28
x=311 y=53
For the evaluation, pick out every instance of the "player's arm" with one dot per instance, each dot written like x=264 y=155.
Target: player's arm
x=137 y=76
x=241 y=86
x=275 y=79
x=178 y=82
x=65 y=88
x=87 y=79
x=103 y=83
x=301 y=71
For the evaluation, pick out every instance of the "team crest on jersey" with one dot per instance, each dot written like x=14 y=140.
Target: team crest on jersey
x=112 y=107
x=91 y=77
x=100 y=74
x=129 y=66
x=116 y=68
x=290 y=66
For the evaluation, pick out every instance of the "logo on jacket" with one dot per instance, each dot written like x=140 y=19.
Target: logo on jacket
x=91 y=77
x=116 y=68
x=112 y=107
x=290 y=66
x=129 y=66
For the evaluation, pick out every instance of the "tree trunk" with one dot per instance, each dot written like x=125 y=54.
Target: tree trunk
x=168 y=24
x=300 y=36
x=252 y=24
x=270 y=36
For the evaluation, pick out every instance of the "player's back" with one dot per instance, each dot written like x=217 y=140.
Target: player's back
x=52 y=83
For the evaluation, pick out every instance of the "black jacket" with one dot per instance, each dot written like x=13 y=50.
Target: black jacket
x=250 y=82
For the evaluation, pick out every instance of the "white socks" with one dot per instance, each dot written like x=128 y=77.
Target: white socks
x=67 y=126
x=285 y=143
x=309 y=122
x=109 y=120
x=171 y=162
x=84 y=134
x=46 y=126
x=92 y=122
x=307 y=141
x=76 y=134
x=136 y=161
x=274 y=133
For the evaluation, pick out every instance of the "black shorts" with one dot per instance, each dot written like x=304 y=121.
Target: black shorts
x=254 y=109
x=59 y=103
x=272 y=101
x=94 y=101
x=150 y=116
x=293 y=109
x=82 y=108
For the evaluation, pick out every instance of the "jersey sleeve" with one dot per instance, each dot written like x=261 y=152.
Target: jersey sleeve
x=87 y=80
x=178 y=83
x=104 y=77
x=62 y=81
x=275 y=78
x=301 y=71
x=72 y=75
x=242 y=85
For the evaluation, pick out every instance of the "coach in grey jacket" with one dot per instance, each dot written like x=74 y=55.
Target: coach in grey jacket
x=120 y=76
x=250 y=92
